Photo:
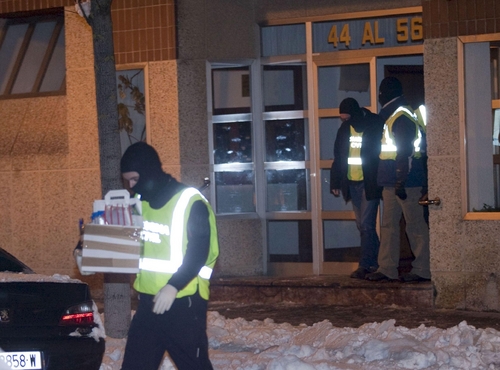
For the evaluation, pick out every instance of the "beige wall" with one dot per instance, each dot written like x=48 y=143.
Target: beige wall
x=465 y=262
x=50 y=165
x=49 y=157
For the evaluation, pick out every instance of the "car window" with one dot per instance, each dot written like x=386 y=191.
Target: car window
x=11 y=264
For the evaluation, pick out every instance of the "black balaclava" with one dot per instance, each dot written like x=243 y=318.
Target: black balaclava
x=350 y=106
x=390 y=88
x=143 y=159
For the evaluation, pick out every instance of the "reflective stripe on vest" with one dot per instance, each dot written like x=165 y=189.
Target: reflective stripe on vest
x=354 y=169
x=421 y=115
x=388 y=148
x=176 y=241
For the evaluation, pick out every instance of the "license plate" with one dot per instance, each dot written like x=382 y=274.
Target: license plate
x=22 y=360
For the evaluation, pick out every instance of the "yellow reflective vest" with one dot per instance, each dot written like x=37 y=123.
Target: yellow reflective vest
x=165 y=243
x=389 y=149
x=354 y=164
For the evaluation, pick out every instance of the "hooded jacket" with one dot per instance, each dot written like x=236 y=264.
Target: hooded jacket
x=371 y=125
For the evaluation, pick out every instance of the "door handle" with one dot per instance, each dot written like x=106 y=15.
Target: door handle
x=436 y=201
x=206 y=184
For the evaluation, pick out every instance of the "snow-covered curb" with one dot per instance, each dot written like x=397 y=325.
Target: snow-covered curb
x=257 y=345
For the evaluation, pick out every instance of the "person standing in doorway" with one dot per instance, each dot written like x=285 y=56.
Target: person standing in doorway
x=180 y=251
x=354 y=174
x=403 y=175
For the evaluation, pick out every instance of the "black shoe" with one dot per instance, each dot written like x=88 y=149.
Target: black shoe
x=378 y=276
x=411 y=277
x=360 y=273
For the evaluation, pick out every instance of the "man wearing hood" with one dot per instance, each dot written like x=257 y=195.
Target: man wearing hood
x=403 y=174
x=354 y=173
x=180 y=250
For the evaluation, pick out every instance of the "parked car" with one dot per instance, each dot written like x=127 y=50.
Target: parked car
x=47 y=322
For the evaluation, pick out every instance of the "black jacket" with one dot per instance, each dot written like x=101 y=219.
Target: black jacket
x=372 y=126
x=412 y=173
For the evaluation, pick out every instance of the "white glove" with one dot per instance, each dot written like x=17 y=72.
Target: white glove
x=164 y=298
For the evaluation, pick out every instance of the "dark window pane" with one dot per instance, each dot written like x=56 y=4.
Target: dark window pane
x=9 y=51
x=231 y=90
x=328 y=201
x=235 y=192
x=289 y=241
x=341 y=241
x=286 y=190
x=284 y=88
x=56 y=71
x=33 y=57
x=328 y=128
x=339 y=82
x=285 y=140
x=232 y=142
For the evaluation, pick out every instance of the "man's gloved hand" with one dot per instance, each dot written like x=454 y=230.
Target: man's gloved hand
x=164 y=298
x=400 y=190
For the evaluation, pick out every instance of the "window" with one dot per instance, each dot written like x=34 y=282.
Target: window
x=482 y=125
x=32 y=56
x=131 y=106
x=283 y=87
x=231 y=90
x=232 y=145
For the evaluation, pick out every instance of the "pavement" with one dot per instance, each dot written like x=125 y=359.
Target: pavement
x=343 y=301
x=355 y=316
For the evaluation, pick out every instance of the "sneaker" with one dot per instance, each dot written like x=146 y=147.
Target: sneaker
x=378 y=276
x=360 y=273
x=411 y=277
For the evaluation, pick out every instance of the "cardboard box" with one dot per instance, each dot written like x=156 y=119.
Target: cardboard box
x=110 y=248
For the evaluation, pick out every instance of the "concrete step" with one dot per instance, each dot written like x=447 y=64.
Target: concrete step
x=335 y=290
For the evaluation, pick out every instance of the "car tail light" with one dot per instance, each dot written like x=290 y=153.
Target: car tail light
x=81 y=314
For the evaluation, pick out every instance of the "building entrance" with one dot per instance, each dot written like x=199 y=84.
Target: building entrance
x=274 y=123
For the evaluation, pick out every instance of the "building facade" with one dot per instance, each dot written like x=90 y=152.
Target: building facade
x=246 y=93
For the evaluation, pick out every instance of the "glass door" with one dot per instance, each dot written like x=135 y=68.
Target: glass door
x=287 y=168
x=338 y=246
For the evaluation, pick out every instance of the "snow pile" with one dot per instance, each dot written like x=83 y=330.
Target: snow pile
x=56 y=278
x=258 y=345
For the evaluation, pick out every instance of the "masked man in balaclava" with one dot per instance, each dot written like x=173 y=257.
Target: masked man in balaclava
x=354 y=173
x=180 y=250
x=403 y=175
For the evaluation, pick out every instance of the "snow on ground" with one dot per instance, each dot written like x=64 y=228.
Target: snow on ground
x=237 y=344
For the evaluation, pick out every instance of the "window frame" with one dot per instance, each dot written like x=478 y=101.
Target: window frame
x=461 y=41
x=227 y=115
x=120 y=68
x=32 y=21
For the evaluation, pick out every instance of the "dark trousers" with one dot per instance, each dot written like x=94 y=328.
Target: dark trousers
x=366 y=222
x=181 y=331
